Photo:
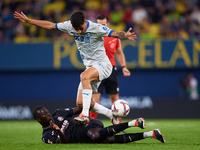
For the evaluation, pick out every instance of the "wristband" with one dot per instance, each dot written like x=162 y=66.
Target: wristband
x=123 y=67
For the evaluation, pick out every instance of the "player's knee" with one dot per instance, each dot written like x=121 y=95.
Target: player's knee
x=84 y=77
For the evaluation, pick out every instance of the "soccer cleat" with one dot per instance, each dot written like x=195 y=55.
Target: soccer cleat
x=82 y=119
x=114 y=120
x=140 y=122
x=157 y=135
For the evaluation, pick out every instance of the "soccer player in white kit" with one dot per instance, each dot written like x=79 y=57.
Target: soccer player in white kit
x=89 y=39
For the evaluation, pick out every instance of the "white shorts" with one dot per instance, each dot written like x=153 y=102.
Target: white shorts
x=104 y=69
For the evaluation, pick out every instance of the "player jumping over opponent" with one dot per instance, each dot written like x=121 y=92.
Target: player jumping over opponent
x=60 y=128
x=89 y=40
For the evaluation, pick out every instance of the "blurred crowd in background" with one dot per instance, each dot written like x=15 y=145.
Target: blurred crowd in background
x=150 y=19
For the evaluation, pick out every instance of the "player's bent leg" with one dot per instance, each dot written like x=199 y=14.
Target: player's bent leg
x=91 y=74
x=112 y=130
x=126 y=138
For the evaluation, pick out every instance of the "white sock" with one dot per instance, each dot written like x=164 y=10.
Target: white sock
x=148 y=134
x=132 y=123
x=102 y=110
x=87 y=95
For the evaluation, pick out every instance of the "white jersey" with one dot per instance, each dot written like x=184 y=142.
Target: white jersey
x=90 y=44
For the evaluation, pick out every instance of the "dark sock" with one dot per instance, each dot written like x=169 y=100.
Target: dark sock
x=111 y=130
x=126 y=138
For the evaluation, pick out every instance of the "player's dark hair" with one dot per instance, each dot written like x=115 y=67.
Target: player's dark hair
x=102 y=16
x=34 y=113
x=77 y=19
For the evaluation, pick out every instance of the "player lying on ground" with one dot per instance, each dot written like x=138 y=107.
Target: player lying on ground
x=60 y=128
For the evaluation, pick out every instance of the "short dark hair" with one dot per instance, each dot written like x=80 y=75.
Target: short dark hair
x=102 y=16
x=77 y=19
x=34 y=113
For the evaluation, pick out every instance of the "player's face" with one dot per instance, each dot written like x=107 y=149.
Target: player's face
x=82 y=28
x=44 y=115
x=103 y=22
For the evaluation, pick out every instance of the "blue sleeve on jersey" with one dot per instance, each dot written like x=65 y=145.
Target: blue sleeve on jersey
x=110 y=33
x=56 y=26
x=88 y=24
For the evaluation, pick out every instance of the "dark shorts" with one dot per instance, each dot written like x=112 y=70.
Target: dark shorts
x=94 y=123
x=110 y=84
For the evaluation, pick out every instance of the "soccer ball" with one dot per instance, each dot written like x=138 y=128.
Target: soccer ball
x=120 y=108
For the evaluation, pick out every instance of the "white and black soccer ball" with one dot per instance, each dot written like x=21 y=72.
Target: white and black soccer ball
x=120 y=108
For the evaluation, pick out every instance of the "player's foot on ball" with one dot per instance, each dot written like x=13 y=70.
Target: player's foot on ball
x=114 y=120
x=82 y=119
x=140 y=122
x=157 y=135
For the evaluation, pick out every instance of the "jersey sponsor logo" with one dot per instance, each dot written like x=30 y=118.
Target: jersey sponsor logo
x=88 y=34
x=60 y=118
x=106 y=29
x=82 y=39
x=64 y=126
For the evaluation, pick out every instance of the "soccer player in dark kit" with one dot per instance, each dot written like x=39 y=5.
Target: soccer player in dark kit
x=60 y=128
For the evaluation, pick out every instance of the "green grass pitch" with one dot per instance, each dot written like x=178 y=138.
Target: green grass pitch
x=183 y=134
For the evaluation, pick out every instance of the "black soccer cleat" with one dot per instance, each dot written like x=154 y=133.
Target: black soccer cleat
x=140 y=122
x=157 y=135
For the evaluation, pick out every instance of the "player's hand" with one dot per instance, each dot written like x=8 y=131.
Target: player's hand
x=126 y=72
x=131 y=36
x=54 y=126
x=21 y=16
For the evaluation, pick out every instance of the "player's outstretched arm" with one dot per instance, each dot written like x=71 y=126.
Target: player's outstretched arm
x=124 y=35
x=40 y=23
